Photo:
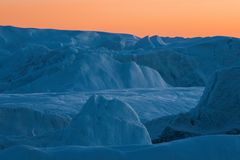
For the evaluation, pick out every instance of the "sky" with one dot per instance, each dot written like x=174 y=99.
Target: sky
x=186 y=18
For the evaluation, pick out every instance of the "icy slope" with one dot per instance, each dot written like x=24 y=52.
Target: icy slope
x=100 y=122
x=106 y=122
x=185 y=62
x=71 y=70
x=37 y=114
x=219 y=105
x=182 y=62
x=208 y=147
x=41 y=113
x=217 y=112
x=177 y=69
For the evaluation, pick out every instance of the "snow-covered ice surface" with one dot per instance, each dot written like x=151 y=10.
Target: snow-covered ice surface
x=158 y=102
x=63 y=90
x=103 y=122
x=217 y=112
x=207 y=147
x=62 y=107
x=69 y=69
x=44 y=119
x=187 y=61
x=177 y=69
x=197 y=57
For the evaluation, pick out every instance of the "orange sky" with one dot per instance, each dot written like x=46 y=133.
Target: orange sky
x=141 y=17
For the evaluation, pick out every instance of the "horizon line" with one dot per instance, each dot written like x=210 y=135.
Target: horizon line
x=111 y=32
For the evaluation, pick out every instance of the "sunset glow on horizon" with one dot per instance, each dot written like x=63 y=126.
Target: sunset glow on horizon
x=186 y=18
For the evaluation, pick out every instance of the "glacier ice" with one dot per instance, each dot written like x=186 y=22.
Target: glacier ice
x=197 y=57
x=150 y=43
x=187 y=62
x=100 y=122
x=177 y=69
x=19 y=121
x=71 y=70
x=13 y=38
x=87 y=94
x=106 y=122
x=40 y=111
x=216 y=113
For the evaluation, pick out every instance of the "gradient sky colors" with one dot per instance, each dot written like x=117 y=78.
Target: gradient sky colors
x=141 y=17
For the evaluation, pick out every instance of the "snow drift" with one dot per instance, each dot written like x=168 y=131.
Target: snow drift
x=207 y=147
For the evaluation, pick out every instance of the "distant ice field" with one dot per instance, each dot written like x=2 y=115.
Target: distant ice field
x=148 y=103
